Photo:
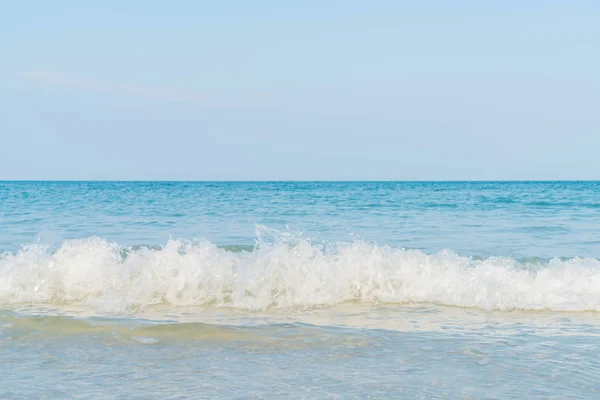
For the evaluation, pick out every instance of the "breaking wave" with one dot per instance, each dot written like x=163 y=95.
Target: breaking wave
x=287 y=274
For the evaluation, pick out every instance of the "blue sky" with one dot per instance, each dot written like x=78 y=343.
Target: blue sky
x=261 y=90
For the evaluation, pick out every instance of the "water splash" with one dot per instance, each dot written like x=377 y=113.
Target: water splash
x=290 y=272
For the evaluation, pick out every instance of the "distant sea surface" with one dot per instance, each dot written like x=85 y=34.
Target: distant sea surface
x=433 y=290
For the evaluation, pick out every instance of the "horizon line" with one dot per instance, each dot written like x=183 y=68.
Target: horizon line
x=292 y=180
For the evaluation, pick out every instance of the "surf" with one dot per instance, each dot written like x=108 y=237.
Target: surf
x=285 y=274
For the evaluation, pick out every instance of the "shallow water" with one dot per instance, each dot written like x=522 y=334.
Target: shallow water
x=300 y=290
x=354 y=351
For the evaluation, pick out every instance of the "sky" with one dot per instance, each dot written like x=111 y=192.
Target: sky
x=306 y=90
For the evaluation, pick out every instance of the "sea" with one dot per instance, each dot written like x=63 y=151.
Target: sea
x=300 y=290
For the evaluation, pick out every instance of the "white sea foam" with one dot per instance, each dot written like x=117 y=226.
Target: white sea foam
x=282 y=275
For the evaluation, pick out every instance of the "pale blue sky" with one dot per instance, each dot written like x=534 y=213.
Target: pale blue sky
x=398 y=90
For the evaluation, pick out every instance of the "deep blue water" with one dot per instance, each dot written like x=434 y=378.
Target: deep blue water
x=515 y=219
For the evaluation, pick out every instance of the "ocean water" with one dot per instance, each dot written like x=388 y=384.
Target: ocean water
x=439 y=290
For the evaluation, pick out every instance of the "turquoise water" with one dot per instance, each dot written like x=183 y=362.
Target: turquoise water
x=300 y=290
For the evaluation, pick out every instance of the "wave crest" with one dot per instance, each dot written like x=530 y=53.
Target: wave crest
x=104 y=275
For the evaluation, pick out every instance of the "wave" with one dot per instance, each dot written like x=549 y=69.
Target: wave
x=288 y=273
